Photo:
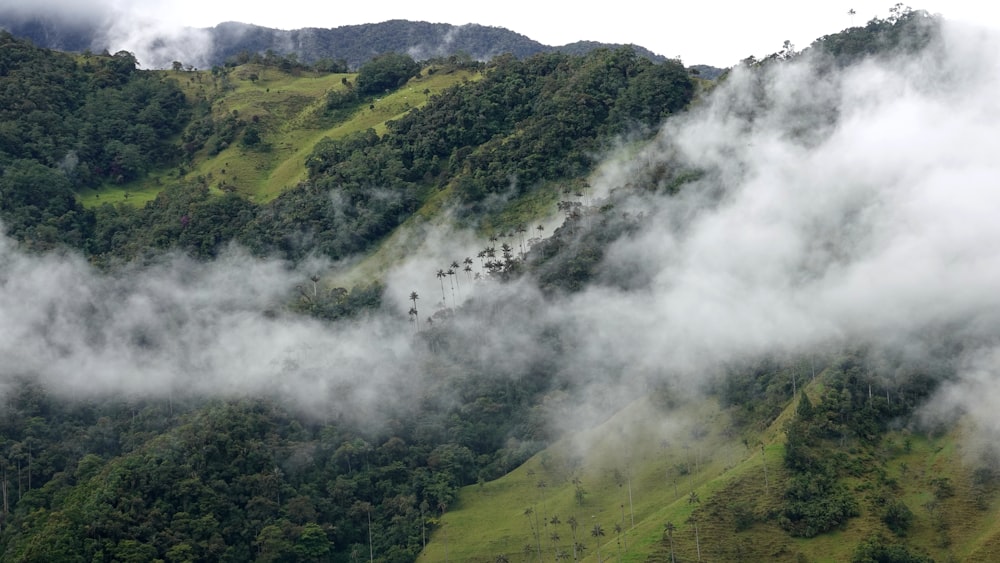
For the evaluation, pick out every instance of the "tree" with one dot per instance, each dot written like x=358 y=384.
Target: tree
x=597 y=532
x=693 y=520
x=573 y=524
x=453 y=270
x=386 y=72
x=451 y=281
x=413 y=310
x=529 y=513
x=669 y=529
x=440 y=276
x=468 y=266
x=898 y=517
x=313 y=544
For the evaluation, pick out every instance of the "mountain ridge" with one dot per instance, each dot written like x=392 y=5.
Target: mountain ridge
x=352 y=44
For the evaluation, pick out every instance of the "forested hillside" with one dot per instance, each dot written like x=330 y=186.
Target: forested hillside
x=536 y=120
x=75 y=123
x=679 y=320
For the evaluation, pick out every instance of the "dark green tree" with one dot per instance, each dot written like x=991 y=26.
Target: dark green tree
x=386 y=72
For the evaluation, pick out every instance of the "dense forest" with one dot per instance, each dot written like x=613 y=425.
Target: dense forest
x=463 y=136
x=178 y=476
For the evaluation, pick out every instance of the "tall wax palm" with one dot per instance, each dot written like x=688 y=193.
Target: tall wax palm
x=572 y=526
x=440 y=276
x=529 y=513
x=468 y=266
x=693 y=520
x=508 y=252
x=669 y=529
x=554 y=521
x=413 y=310
x=451 y=280
x=454 y=268
x=598 y=532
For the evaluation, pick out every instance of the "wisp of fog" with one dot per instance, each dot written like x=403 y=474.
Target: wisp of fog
x=835 y=208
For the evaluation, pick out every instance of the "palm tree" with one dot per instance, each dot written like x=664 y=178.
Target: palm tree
x=669 y=529
x=597 y=532
x=572 y=526
x=451 y=280
x=693 y=520
x=424 y=508
x=554 y=521
x=521 y=229
x=763 y=459
x=618 y=532
x=413 y=311
x=529 y=513
x=440 y=276
x=443 y=506
x=468 y=266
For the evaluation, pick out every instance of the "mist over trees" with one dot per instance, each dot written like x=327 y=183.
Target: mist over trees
x=203 y=393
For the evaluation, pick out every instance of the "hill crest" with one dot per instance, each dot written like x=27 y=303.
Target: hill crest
x=353 y=44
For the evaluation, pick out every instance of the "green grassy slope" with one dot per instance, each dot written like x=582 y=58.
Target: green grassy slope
x=290 y=109
x=666 y=457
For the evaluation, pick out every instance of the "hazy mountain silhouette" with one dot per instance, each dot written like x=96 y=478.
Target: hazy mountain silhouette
x=354 y=44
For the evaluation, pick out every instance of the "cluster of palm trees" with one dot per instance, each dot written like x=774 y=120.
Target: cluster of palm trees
x=493 y=265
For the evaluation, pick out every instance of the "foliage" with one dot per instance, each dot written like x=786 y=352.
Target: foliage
x=815 y=501
x=905 y=30
x=239 y=480
x=69 y=124
x=898 y=517
x=193 y=479
x=877 y=549
x=386 y=72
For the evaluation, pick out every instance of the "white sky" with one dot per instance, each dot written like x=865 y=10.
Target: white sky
x=718 y=33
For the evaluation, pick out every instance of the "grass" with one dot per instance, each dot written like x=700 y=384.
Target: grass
x=624 y=454
x=290 y=109
x=652 y=446
x=136 y=193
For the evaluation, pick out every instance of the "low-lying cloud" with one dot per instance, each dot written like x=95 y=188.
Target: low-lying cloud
x=835 y=209
x=150 y=30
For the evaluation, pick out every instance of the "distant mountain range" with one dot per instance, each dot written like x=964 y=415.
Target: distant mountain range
x=354 y=44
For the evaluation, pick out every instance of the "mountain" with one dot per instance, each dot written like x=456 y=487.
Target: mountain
x=353 y=44
x=561 y=306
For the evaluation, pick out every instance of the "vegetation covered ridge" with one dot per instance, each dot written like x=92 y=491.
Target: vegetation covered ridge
x=708 y=347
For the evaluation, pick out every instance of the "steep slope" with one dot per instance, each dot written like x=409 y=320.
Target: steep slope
x=287 y=114
x=727 y=345
x=723 y=488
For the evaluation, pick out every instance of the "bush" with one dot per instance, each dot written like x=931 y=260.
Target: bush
x=898 y=517
x=877 y=549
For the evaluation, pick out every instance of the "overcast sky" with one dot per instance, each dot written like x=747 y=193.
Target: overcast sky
x=718 y=33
